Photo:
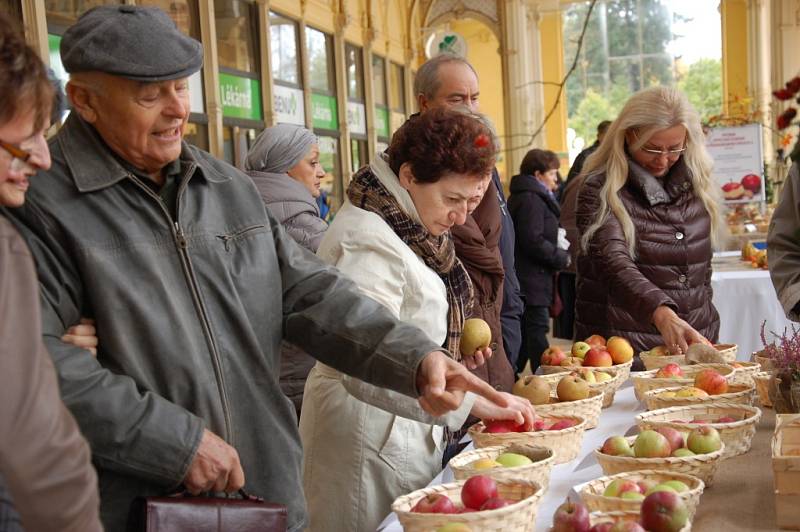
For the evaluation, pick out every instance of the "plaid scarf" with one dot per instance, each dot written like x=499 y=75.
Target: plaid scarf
x=438 y=253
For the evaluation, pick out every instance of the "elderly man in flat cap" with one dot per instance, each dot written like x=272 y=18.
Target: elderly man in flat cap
x=192 y=284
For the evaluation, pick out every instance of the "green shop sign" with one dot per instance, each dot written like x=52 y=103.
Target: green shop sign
x=382 y=122
x=323 y=112
x=241 y=97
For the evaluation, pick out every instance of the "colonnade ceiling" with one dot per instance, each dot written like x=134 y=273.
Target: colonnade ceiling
x=441 y=11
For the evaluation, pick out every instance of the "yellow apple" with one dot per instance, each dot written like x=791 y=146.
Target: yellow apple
x=691 y=391
x=485 y=463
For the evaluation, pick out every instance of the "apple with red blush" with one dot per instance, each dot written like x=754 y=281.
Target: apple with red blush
x=571 y=517
x=477 y=490
x=435 y=503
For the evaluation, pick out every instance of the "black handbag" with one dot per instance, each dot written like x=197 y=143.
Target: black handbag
x=182 y=512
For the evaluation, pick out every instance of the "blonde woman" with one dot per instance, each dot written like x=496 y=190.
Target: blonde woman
x=648 y=218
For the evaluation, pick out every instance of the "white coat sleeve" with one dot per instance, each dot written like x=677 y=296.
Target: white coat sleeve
x=378 y=269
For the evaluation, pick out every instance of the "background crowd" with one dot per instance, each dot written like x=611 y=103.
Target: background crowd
x=209 y=330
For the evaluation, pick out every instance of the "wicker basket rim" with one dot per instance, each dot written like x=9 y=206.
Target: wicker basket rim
x=707 y=457
x=612 y=367
x=551 y=455
x=698 y=483
x=417 y=494
x=594 y=395
x=754 y=414
x=741 y=388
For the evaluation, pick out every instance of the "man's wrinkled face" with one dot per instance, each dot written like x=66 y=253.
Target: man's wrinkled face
x=458 y=87
x=142 y=122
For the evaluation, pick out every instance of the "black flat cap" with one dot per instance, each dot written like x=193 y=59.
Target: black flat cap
x=134 y=42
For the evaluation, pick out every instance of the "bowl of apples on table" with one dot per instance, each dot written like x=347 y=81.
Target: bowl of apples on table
x=562 y=394
x=506 y=462
x=735 y=423
x=697 y=453
x=662 y=511
x=673 y=374
x=709 y=387
x=615 y=353
x=626 y=491
x=479 y=503
x=562 y=434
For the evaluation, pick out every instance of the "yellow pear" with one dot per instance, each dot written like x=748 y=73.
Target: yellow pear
x=476 y=335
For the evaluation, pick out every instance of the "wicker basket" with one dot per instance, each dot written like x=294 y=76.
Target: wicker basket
x=603 y=517
x=566 y=443
x=539 y=471
x=702 y=466
x=589 y=408
x=728 y=352
x=517 y=517
x=624 y=369
x=608 y=388
x=761 y=380
x=737 y=393
x=745 y=373
x=644 y=381
x=764 y=362
x=736 y=435
x=659 y=361
x=592 y=492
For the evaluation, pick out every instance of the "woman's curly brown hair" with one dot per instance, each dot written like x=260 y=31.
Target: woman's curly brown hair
x=23 y=78
x=443 y=141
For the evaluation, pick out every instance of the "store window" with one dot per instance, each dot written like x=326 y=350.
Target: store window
x=356 y=112
x=62 y=14
x=382 y=127
x=239 y=77
x=397 y=96
x=288 y=98
x=325 y=116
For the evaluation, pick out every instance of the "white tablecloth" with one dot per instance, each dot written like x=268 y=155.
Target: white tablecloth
x=618 y=419
x=744 y=298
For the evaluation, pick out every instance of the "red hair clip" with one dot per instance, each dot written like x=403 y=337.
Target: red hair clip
x=481 y=141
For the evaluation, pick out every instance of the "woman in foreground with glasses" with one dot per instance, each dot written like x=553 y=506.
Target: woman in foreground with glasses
x=648 y=216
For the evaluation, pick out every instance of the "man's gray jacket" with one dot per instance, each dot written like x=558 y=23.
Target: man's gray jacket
x=190 y=314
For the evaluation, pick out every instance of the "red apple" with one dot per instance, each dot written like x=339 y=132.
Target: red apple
x=727 y=419
x=563 y=424
x=703 y=440
x=596 y=341
x=553 y=356
x=670 y=371
x=752 y=182
x=477 y=490
x=674 y=437
x=617 y=446
x=663 y=511
x=602 y=527
x=435 y=503
x=620 y=349
x=571 y=517
x=495 y=503
x=651 y=444
x=733 y=191
x=699 y=421
x=619 y=486
x=711 y=381
x=500 y=426
x=538 y=425
x=597 y=358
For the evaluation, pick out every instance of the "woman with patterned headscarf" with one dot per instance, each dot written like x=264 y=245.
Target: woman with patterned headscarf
x=364 y=446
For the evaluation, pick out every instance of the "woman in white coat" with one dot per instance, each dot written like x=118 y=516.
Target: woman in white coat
x=364 y=446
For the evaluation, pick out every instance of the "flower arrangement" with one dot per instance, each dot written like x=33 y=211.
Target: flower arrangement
x=784 y=352
x=786 y=118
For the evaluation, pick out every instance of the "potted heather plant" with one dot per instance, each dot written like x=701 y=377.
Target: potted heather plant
x=784 y=354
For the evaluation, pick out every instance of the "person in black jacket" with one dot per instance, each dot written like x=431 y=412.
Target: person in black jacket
x=539 y=252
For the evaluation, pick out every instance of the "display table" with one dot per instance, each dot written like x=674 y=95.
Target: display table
x=744 y=298
x=740 y=500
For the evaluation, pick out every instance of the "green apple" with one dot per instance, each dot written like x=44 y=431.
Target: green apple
x=632 y=496
x=454 y=527
x=660 y=487
x=682 y=452
x=679 y=486
x=513 y=460
x=579 y=349
x=602 y=376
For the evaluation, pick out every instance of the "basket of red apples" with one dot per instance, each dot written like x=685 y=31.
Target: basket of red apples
x=506 y=462
x=665 y=449
x=709 y=387
x=662 y=511
x=572 y=395
x=735 y=423
x=563 y=434
x=479 y=503
x=674 y=375
x=625 y=491
x=595 y=352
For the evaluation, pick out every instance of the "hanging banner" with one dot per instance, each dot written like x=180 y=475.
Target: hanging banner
x=738 y=162
x=323 y=112
x=289 y=105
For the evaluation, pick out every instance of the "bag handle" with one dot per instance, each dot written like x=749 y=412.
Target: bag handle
x=183 y=492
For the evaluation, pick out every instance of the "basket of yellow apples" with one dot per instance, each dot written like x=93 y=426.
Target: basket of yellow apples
x=606 y=380
x=505 y=462
x=674 y=375
x=563 y=434
x=665 y=449
x=572 y=396
x=736 y=423
x=478 y=503
x=626 y=491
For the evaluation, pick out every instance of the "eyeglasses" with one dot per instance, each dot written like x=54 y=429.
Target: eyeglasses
x=670 y=154
x=19 y=156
